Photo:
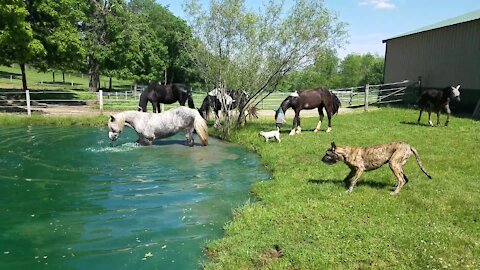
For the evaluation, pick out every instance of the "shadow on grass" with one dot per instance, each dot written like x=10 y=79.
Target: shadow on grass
x=7 y=75
x=63 y=83
x=341 y=183
x=414 y=124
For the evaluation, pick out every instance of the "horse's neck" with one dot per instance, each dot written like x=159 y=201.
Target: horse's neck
x=286 y=104
x=131 y=116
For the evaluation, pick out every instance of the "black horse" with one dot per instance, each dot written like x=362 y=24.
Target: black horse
x=222 y=100
x=309 y=99
x=437 y=100
x=167 y=94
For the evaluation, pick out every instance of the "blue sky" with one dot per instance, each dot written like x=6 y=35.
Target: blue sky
x=371 y=21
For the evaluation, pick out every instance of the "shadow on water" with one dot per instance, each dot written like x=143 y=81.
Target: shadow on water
x=71 y=201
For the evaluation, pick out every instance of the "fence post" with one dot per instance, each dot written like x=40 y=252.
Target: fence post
x=29 y=109
x=100 y=100
x=367 y=88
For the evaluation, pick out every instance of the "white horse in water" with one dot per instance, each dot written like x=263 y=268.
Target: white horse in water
x=150 y=126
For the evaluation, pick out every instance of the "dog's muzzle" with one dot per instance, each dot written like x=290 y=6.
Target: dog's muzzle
x=328 y=160
x=113 y=136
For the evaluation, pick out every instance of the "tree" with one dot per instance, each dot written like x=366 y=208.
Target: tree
x=169 y=32
x=358 y=70
x=254 y=51
x=42 y=33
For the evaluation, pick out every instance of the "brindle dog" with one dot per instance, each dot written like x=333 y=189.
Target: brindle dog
x=360 y=159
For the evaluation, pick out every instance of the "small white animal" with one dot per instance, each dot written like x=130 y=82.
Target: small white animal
x=271 y=134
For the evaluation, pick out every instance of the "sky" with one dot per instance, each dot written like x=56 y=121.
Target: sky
x=371 y=21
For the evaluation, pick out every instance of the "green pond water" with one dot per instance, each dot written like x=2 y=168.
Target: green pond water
x=71 y=199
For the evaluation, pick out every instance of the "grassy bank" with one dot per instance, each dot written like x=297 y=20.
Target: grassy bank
x=37 y=119
x=303 y=218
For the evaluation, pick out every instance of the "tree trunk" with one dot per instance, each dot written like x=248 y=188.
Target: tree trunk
x=110 y=85
x=63 y=76
x=53 y=76
x=24 y=77
x=93 y=74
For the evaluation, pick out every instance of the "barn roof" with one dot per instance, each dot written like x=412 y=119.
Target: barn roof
x=471 y=16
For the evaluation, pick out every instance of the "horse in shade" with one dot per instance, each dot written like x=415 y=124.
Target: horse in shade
x=222 y=99
x=152 y=126
x=317 y=98
x=437 y=100
x=166 y=94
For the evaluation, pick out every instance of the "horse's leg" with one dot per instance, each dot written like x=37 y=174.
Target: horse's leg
x=447 y=109
x=189 y=137
x=154 y=107
x=294 y=124
x=419 y=116
x=159 y=108
x=329 y=116
x=298 y=129
x=217 y=119
x=430 y=117
x=438 y=118
x=320 y=113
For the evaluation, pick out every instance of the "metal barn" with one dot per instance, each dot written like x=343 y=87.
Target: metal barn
x=442 y=54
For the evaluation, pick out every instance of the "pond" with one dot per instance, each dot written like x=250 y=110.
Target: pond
x=70 y=199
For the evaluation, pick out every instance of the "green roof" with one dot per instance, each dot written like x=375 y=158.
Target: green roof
x=471 y=16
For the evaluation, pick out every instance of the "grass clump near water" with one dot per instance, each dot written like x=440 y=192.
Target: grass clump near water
x=38 y=119
x=303 y=219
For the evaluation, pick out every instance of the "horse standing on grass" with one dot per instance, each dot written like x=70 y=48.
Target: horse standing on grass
x=437 y=100
x=166 y=94
x=151 y=126
x=318 y=98
x=220 y=99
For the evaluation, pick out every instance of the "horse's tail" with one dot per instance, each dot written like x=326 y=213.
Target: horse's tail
x=200 y=126
x=414 y=151
x=143 y=100
x=336 y=103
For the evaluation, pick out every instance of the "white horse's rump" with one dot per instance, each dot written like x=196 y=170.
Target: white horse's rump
x=150 y=126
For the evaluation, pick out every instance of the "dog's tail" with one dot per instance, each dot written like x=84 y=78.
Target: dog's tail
x=200 y=126
x=414 y=151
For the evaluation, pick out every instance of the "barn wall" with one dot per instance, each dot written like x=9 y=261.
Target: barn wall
x=442 y=57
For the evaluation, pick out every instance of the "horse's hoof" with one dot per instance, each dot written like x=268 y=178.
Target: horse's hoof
x=394 y=193
x=291 y=133
x=329 y=130
x=316 y=130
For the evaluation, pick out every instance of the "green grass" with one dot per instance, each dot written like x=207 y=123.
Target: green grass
x=11 y=79
x=38 y=119
x=304 y=210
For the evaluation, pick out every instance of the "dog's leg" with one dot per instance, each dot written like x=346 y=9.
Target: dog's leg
x=358 y=173
x=277 y=137
x=396 y=163
x=348 y=177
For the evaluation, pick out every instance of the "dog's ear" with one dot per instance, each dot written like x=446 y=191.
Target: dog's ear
x=333 y=145
x=112 y=119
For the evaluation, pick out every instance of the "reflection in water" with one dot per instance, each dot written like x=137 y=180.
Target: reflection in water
x=73 y=200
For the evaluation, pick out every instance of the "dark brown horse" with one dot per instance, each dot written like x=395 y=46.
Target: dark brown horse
x=166 y=94
x=318 y=98
x=437 y=100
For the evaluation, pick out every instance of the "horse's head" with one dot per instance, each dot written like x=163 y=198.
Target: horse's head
x=279 y=117
x=115 y=126
x=455 y=93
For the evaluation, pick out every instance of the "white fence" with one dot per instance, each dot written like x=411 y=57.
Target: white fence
x=20 y=101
